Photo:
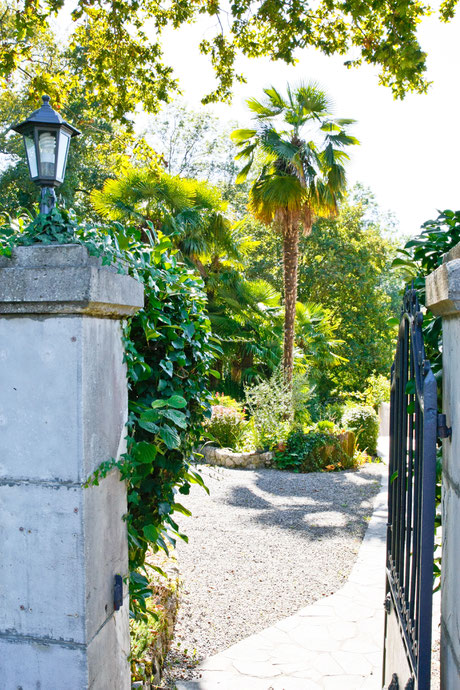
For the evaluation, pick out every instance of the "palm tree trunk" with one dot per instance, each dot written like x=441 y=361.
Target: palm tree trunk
x=290 y=264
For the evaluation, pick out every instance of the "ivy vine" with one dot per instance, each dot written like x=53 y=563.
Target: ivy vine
x=169 y=350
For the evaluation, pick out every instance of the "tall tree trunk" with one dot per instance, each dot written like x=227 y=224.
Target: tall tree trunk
x=290 y=264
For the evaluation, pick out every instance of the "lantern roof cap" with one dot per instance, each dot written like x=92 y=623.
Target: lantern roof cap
x=44 y=116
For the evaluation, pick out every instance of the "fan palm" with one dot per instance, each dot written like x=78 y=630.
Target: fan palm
x=298 y=150
x=191 y=211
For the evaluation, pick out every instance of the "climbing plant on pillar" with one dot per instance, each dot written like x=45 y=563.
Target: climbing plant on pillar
x=169 y=350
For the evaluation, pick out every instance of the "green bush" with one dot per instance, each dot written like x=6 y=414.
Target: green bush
x=325 y=425
x=364 y=422
x=310 y=452
x=376 y=392
x=269 y=404
x=226 y=426
x=275 y=408
x=227 y=401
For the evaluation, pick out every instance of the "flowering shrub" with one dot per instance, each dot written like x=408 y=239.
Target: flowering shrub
x=226 y=426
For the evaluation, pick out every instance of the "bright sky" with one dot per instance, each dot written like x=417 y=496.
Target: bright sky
x=409 y=151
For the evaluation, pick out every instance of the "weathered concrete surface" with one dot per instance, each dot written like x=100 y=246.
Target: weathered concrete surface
x=443 y=289
x=225 y=457
x=443 y=298
x=64 y=279
x=63 y=409
x=384 y=418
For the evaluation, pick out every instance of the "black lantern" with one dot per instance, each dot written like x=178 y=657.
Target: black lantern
x=46 y=139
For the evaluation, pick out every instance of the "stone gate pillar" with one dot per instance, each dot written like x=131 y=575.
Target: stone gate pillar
x=63 y=409
x=443 y=299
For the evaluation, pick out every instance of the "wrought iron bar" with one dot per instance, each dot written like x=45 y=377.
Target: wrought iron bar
x=411 y=507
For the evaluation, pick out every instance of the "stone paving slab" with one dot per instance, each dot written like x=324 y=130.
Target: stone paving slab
x=334 y=644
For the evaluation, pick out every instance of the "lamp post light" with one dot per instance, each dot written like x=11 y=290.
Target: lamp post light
x=46 y=140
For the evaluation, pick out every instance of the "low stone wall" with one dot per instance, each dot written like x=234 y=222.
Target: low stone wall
x=224 y=457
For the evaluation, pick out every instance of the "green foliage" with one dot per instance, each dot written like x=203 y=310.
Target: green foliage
x=377 y=391
x=227 y=401
x=422 y=255
x=344 y=266
x=168 y=349
x=104 y=148
x=151 y=636
x=193 y=143
x=270 y=406
x=226 y=426
x=364 y=422
x=118 y=45
x=299 y=176
x=325 y=425
x=316 y=450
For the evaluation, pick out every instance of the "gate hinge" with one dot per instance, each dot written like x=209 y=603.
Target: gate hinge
x=118 y=592
x=444 y=431
x=387 y=603
x=394 y=685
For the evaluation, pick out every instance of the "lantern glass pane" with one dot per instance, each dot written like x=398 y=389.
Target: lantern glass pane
x=64 y=140
x=47 y=147
x=31 y=155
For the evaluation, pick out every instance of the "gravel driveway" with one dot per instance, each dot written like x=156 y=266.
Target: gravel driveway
x=264 y=544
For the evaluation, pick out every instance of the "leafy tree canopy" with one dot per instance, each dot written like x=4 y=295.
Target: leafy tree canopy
x=105 y=148
x=118 y=43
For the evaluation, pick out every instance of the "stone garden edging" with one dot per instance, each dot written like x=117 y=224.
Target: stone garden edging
x=224 y=457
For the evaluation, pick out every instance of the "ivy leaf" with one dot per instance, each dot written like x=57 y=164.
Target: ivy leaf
x=159 y=403
x=170 y=436
x=181 y=509
x=410 y=387
x=175 y=416
x=145 y=452
x=177 y=401
x=148 y=426
x=151 y=533
x=167 y=366
x=189 y=329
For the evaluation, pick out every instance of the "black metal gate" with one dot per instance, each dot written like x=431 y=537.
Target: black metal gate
x=411 y=509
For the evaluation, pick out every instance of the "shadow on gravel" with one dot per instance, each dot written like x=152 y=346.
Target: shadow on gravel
x=336 y=494
x=292 y=484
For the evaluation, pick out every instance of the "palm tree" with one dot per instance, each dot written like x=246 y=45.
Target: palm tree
x=193 y=214
x=297 y=149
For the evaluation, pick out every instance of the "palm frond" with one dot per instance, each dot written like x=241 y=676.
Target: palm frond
x=262 y=111
x=240 y=136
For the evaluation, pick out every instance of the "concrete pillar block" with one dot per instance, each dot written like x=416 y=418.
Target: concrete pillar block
x=63 y=410
x=443 y=299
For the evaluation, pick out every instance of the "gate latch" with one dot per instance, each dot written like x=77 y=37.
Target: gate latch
x=444 y=431
x=118 y=592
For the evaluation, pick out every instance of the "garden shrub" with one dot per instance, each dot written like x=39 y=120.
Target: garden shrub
x=227 y=401
x=311 y=452
x=269 y=404
x=226 y=426
x=325 y=425
x=376 y=392
x=364 y=422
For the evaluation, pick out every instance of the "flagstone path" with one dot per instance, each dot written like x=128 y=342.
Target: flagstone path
x=333 y=644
